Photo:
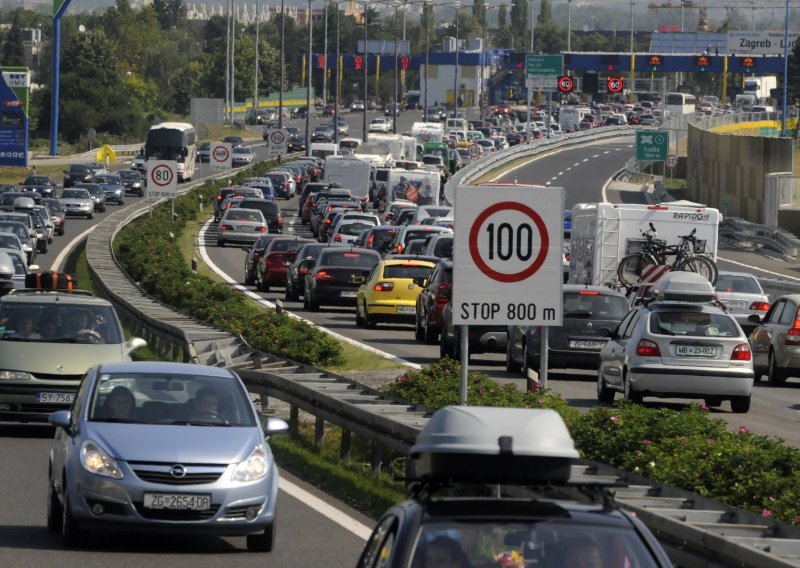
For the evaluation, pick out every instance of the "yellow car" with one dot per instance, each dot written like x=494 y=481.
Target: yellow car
x=390 y=292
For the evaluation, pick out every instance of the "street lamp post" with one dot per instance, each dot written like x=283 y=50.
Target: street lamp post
x=255 y=74
x=631 y=27
x=283 y=51
x=569 y=26
x=428 y=13
x=785 y=70
x=308 y=90
x=325 y=56
x=396 y=107
x=455 y=71
x=338 y=80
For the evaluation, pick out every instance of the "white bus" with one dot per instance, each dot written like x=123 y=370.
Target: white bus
x=173 y=141
x=680 y=103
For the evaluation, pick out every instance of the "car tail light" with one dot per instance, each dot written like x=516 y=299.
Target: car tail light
x=588 y=293
x=322 y=275
x=280 y=222
x=226 y=228
x=793 y=335
x=302 y=271
x=444 y=294
x=648 y=349
x=399 y=248
x=337 y=238
x=760 y=306
x=741 y=352
x=384 y=287
x=261 y=229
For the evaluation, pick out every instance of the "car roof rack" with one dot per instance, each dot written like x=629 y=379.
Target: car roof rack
x=37 y=291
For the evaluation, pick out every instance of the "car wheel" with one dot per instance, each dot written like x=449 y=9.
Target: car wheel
x=72 y=536
x=313 y=305
x=630 y=394
x=511 y=366
x=121 y=202
x=359 y=317
x=264 y=286
x=291 y=294
x=604 y=394
x=263 y=541
x=740 y=404
x=369 y=323
x=220 y=243
x=103 y=210
x=775 y=375
x=54 y=512
x=90 y=216
x=713 y=402
x=527 y=364
x=141 y=193
x=247 y=279
x=61 y=233
x=419 y=332
x=442 y=346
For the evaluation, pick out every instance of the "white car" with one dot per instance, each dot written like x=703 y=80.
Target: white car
x=380 y=125
x=242 y=156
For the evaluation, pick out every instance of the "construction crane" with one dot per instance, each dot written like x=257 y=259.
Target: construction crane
x=728 y=5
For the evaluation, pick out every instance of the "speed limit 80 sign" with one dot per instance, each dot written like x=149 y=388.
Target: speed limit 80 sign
x=162 y=179
x=508 y=256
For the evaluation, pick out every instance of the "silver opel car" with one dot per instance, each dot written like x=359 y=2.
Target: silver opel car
x=166 y=447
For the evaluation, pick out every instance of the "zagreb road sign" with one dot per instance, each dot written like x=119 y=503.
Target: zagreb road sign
x=671 y=161
x=508 y=259
x=221 y=156
x=162 y=179
x=542 y=83
x=547 y=65
x=278 y=142
x=652 y=145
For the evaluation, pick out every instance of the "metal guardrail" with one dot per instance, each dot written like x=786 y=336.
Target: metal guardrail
x=696 y=531
x=763 y=236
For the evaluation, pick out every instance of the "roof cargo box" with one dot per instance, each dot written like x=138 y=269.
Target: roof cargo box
x=683 y=287
x=494 y=445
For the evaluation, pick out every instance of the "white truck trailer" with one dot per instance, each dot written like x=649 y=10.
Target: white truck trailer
x=604 y=233
x=760 y=87
x=418 y=186
x=350 y=173
x=400 y=146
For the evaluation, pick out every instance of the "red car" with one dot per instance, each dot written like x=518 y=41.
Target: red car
x=432 y=300
x=279 y=254
x=329 y=110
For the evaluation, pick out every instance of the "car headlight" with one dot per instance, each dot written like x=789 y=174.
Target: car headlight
x=136 y=184
x=117 y=191
x=95 y=460
x=6 y=375
x=26 y=247
x=253 y=468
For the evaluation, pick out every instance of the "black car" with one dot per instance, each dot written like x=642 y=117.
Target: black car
x=590 y=314
x=97 y=194
x=233 y=140
x=297 y=139
x=78 y=173
x=482 y=338
x=336 y=275
x=132 y=181
x=431 y=301
x=41 y=184
x=485 y=492
x=271 y=211
x=297 y=270
x=204 y=152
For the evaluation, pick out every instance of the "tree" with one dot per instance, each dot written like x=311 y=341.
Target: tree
x=479 y=11
x=171 y=13
x=519 y=20
x=545 y=15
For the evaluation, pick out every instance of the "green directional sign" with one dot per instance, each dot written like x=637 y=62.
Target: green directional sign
x=544 y=65
x=652 y=145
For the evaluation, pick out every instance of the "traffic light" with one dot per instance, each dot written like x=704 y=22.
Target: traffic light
x=404 y=61
x=655 y=62
x=615 y=85
x=702 y=61
x=320 y=62
x=749 y=64
x=358 y=62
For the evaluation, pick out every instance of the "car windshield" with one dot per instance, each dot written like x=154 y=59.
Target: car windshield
x=75 y=194
x=17 y=228
x=551 y=542
x=53 y=205
x=106 y=178
x=409 y=271
x=594 y=304
x=129 y=175
x=694 y=324
x=59 y=323
x=356 y=259
x=37 y=180
x=286 y=245
x=179 y=399
x=736 y=283
x=7 y=240
x=250 y=215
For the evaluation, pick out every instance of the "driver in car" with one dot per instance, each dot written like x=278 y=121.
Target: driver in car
x=80 y=325
x=207 y=400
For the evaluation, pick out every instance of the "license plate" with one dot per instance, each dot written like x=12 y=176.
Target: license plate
x=347 y=294
x=244 y=228
x=583 y=344
x=55 y=397
x=735 y=304
x=695 y=351
x=177 y=501
x=406 y=309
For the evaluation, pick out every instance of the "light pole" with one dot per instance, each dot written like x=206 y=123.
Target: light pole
x=255 y=73
x=569 y=26
x=483 y=57
x=308 y=90
x=338 y=80
x=396 y=108
x=785 y=69
x=631 y=27
x=428 y=9
x=366 y=59
x=283 y=51
x=457 y=7
x=325 y=58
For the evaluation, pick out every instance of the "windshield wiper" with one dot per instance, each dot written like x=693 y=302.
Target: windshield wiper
x=578 y=314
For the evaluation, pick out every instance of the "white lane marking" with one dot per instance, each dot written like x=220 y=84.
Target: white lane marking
x=548 y=154
x=607 y=152
x=267 y=303
x=596 y=156
x=361 y=530
x=554 y=178
x=749 y=266
x=576 y=164
x=586 y=159
x=568 y=169
x=560 y=173
x=62 y=256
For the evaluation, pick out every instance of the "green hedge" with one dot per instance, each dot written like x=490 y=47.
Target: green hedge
x=686 y=449
x=152 y=258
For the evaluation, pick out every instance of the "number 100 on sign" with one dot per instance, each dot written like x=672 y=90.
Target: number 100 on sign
x=508 y=260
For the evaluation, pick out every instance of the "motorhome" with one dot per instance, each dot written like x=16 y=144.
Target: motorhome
x=602 y=234
x=350 y=173
x=418 y=186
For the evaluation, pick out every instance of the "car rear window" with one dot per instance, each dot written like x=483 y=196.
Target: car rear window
x=354 y=228
x=381 y=237
x=443 y=247
x=417 y=234
x=693 y=324
x=286 y=245
x=267 y=208
x=244 y=215
x=407 y=271
x=742 y=284
x=594 y=304
x=9 y=241
x=349 y=258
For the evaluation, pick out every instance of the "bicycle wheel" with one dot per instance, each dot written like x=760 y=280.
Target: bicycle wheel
x=630 y=268
x=702 y=266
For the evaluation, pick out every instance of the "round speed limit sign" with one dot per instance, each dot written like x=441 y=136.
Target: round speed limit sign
x=474 y=151
x=277 y=137
x=221 y=153
x=671 y=161
x=162 y=175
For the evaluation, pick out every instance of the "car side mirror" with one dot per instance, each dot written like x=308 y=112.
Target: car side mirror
x=274 y=426
x=61 y=419
x=755 y=318
x=135 y=343
x=420 y=281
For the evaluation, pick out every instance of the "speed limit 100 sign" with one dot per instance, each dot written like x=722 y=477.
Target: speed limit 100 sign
x=162 y=179
x=508 y=256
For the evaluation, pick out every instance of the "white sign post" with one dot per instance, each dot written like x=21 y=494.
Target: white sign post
x=162 y=181
x=507 y=263
x=221 y=157
x=278 y=142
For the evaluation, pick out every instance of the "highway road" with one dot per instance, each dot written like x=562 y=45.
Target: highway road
x=304 y=535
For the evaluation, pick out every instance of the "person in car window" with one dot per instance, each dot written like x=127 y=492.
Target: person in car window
x=207 y=400
x=120 y=403
x=582 y=554
x=24 y=328
x=445 y=552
